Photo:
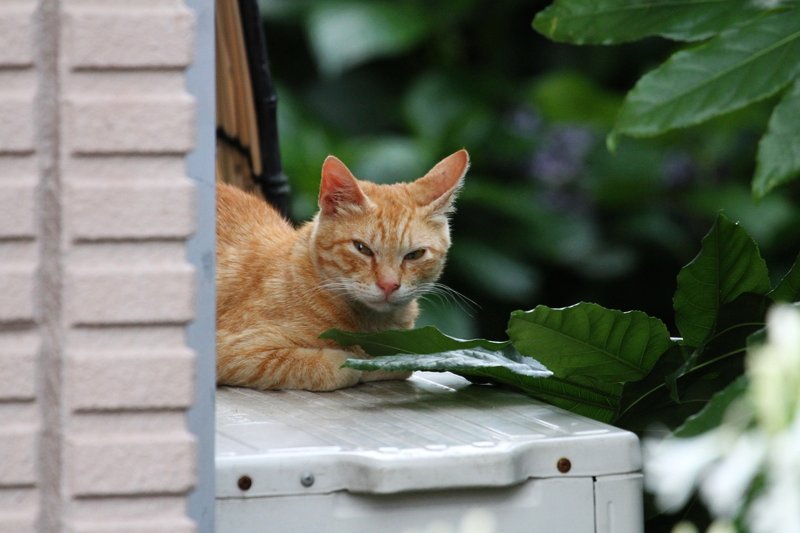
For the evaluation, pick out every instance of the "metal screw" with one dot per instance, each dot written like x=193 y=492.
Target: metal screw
x=245 y=482
x=564 y=465
x=307 y=479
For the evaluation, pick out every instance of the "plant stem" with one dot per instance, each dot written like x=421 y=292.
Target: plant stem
x=663 y=385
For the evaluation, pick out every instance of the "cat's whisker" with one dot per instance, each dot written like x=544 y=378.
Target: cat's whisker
x=337 y=286
x=447 y=295
x=462 y=297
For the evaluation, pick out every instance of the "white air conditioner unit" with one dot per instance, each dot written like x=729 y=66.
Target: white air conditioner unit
x=429 y=454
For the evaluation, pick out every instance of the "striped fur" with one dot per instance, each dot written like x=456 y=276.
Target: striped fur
x=359 y=265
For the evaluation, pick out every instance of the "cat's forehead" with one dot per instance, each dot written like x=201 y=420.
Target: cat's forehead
x=390 y=224
x=396 y=195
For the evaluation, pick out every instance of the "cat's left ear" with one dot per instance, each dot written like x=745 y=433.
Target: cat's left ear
x=339 y=189
x=437 y=189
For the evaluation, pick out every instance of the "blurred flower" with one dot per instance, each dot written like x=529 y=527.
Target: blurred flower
x=675 y=466
x=758 y=439
x=775 y=371
x=684 y=527
x=777 y=510
x=725 y=488
x=721 y=526
x=678 y=169
x=562 y=157
x=525 y=122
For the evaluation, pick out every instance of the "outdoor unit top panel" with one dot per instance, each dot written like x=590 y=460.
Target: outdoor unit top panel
x=434 y=431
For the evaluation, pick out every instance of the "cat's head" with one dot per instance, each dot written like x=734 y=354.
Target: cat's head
x=382 y=246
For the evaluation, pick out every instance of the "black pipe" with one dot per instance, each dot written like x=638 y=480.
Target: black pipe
x=273 y=182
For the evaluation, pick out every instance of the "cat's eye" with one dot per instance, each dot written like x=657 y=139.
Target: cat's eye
x=363 y=248
x=416 y=254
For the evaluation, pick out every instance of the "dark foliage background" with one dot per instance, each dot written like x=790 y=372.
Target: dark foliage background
x=548 y=215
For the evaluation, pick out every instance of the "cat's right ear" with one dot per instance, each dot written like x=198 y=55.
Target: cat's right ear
x=339 y=189
x=437 y=189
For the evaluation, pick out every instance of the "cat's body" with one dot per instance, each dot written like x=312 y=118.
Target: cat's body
x=358 y=266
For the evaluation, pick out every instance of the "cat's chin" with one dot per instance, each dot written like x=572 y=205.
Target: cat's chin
x=383 y=306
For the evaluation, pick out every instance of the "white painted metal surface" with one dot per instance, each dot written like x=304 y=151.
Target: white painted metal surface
x=402 y=456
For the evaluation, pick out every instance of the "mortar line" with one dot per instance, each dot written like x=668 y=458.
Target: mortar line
x=50 y=275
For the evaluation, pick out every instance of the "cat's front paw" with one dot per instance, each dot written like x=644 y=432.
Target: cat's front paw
x=340 y=379
x=331 y=374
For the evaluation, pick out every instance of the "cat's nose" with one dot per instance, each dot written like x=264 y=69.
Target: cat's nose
x=388 y=286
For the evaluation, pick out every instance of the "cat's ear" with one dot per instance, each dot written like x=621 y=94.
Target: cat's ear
x=437 y=189
x=339 y=189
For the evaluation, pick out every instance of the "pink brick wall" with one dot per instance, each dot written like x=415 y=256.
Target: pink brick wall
x=95 y=290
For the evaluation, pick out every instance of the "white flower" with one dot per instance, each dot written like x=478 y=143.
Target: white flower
x=774 y=370
x=674 y=466
x=685 y=527
x=725 y=460
x=777 y=509
x=725 y=488
x=721 y=526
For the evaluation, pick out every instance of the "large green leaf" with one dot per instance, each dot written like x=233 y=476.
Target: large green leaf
x=589 y=341
x=346 y=33
x=641 y=398
x=425 y=340
x=788 y=290
x=713 y=413
x=720 y=360
x=727 y=266
x=439 y=352
x=778 y=159
x=620 y=21
x=478 y=362
x=738 y=67
x=599 y=401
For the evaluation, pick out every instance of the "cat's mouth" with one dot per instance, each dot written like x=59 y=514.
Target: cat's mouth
x=384 y=305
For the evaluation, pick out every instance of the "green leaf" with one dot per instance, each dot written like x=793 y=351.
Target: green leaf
x=620 y=21
x=587 y=340
x=346 y=33
x=574 y=97
x=727 y=266
x=712 y=414
x=599 y=401
x=788 y=290
x=478 y=362
x=578 y=394
x=778 y=159
x=720 y=360
x=640 y=398
x=738 y=67
x=425 y=340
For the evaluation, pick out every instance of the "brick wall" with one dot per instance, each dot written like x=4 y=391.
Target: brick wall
x=95 y=289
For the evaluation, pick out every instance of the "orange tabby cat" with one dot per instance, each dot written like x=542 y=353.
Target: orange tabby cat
x=359 y=265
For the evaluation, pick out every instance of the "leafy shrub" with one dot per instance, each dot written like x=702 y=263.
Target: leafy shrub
x=749 y=52
x=548 y=215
